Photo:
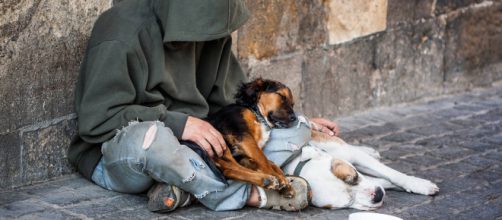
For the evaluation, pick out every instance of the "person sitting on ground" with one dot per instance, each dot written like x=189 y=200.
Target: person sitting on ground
x=152 y=70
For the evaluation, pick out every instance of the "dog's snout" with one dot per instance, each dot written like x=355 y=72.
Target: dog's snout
x=292 y=117
x=378 y=195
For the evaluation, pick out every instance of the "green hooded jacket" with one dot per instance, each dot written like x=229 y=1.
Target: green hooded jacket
x=152 y=60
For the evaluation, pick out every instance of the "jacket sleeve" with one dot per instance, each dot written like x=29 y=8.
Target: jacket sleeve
x=106 y=95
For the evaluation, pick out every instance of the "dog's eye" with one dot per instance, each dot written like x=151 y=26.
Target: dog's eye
x=285 y=100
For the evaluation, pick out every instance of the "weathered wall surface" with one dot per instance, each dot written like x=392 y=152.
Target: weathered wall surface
x=338 y=57
x=41 y=47
x=379 y=53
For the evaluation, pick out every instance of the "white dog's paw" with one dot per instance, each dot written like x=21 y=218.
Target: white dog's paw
x=419 y=186
x=372 y=152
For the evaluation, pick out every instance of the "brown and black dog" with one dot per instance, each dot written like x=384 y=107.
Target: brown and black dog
x=245 y=126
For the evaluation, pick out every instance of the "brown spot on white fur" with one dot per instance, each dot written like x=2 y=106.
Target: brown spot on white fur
x=344 y=171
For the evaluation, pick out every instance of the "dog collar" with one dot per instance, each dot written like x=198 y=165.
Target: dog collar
x=300 y=164
x=299 y=167
x=260 y=117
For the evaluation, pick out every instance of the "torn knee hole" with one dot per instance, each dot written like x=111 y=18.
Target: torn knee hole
x=149 y=137
x=189 y=179
x=197 y=164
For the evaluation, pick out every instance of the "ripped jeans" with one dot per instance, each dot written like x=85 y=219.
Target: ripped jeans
x=145 y=152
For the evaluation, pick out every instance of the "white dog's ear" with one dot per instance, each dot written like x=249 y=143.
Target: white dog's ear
x=309 y=153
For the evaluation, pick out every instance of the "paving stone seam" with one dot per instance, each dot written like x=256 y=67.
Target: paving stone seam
x=457 y=160
x=58 y=208
x=93 y=201
x=128 y=208
x=236 y=217
x=406 y=129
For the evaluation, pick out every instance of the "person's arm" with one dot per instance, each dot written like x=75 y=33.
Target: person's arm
x=106 y=95
x=325 y=125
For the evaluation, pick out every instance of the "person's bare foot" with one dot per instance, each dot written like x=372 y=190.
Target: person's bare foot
x=254 y=197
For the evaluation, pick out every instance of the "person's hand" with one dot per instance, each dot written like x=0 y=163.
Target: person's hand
x=325 y=126
x=205 y=135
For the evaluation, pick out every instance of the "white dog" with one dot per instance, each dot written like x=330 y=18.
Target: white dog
x=334 y=169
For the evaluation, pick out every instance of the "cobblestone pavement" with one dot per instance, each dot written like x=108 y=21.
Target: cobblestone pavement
x=455 y=141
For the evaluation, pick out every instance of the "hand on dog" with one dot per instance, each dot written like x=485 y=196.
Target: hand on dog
x=325 y=126
x=205 y=135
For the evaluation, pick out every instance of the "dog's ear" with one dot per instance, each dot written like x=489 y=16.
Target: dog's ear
x=247 y=94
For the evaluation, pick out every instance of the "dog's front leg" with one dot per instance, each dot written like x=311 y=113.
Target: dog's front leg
x=251 y=150
x=233 y=170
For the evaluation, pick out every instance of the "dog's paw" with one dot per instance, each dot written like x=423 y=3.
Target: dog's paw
x=419 y=186
x=370 y=151
x=282 y=182
x=271 y=182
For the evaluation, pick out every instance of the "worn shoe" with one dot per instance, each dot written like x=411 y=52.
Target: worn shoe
x=165 y=198
x=272 y=199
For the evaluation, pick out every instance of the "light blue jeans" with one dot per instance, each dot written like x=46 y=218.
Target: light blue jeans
x=145 y=152
x=285 y=141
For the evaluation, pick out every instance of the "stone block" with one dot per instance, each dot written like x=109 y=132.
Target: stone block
x=21 y=208
x=114 y=205
x=481 y=212
x=403 y=199
x=402 y=137
x=494 y=155
x=406 y=12
x=44 y=152
x=12 y=196
x=419 y=212
x=348 y=20
x=330 y=83
x=409 y=63
x=490 y=175
x=64 y=197
x=451 y=113
x=312 y=30
x=269 y=21
x=41 y=47
x=446 y=6
x=140 y=213
x=479 y=143
x=10 y=160
x=473 y=47
x=277 y=27
x=287 y=70
x=51 y=214
x=377 y=130
x=423 y=161
x=449 y=153
x=388 y=68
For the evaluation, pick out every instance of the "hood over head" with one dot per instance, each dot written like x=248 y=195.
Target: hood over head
x=199 y=20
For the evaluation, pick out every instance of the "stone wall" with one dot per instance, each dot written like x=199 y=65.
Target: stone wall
x=339 y=57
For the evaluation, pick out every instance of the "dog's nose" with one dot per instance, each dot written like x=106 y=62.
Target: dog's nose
x=292 y=117
x=378 y=196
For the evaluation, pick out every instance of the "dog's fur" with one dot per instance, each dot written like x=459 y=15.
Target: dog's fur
x=335 y=169
x=245 y=134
